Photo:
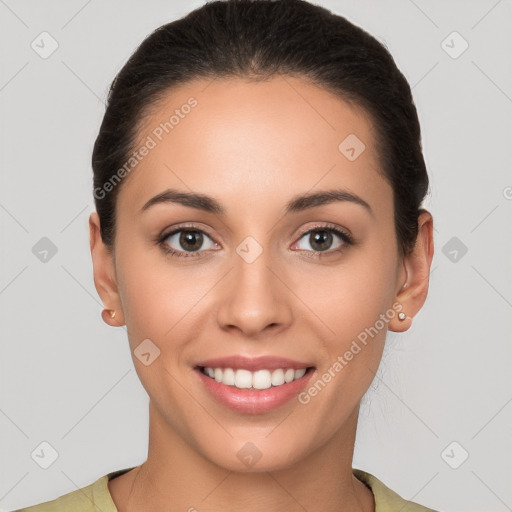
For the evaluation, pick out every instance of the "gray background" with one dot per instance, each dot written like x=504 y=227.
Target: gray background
x=68 y=379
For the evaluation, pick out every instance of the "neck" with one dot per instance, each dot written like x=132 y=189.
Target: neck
x=175 y=473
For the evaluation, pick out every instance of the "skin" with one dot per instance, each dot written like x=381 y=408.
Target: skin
x=253 y=147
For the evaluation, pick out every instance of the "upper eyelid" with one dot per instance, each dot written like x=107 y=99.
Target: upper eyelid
x=329 y=226
x=186 y=228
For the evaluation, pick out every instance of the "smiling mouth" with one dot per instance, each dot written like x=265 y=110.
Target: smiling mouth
x=257 y=380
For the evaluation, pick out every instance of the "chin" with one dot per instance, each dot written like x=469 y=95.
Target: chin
x=260 y=455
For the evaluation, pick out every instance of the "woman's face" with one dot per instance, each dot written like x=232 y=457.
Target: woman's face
x=255 y=280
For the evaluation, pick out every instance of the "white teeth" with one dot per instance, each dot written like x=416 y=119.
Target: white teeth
x=300 y=373
x=228 y=377
x=261 y=379
x=289 y=375
x=277 y=377
x=243 y=379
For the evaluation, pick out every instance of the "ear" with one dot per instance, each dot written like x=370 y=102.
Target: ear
x=413 y=288
x=104 y=274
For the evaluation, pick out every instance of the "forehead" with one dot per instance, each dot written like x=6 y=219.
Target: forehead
x=231 y=136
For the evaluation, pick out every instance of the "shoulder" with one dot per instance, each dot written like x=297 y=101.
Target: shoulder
x=94 y=497
x=387 y=500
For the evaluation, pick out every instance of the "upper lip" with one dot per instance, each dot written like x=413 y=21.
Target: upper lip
x=253 y=363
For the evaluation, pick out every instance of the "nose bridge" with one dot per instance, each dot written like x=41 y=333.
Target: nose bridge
x=254 y=297
x=251 y=272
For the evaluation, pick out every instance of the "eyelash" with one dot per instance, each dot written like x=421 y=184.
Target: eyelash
x=345 y=237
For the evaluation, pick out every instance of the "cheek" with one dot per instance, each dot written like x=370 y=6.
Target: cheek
x=357 y=298
x=351 y=297
x=357 y=308
x=152 y=293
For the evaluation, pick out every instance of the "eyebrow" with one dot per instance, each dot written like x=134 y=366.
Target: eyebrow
x=297 y=204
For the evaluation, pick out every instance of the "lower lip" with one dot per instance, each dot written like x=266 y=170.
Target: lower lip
x=249 y=401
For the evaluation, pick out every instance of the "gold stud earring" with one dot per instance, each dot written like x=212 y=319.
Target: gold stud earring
x=111 y=313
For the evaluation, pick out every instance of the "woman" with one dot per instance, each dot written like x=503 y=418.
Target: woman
x=258 y=179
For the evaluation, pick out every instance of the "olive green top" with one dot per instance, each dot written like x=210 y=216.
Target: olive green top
x=96 y=497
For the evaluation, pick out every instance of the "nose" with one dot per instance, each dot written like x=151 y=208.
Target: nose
x=254 y=298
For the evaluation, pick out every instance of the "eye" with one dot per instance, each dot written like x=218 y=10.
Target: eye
x=321 y=239
x=183 y=242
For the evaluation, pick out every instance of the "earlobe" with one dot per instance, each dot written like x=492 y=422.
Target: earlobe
x=109 y=316
x=104 y=274
x=413 y=293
